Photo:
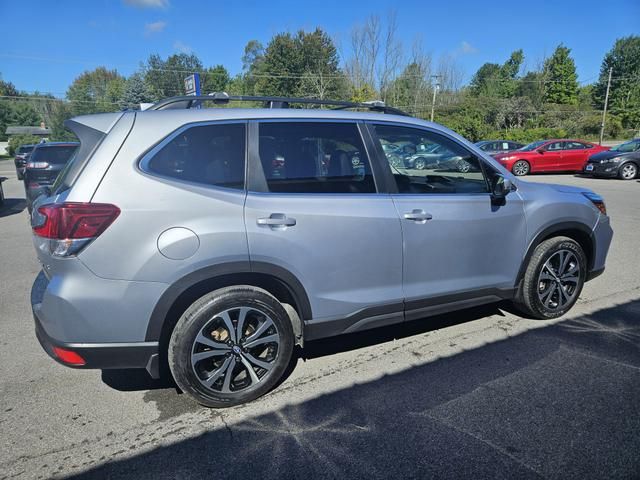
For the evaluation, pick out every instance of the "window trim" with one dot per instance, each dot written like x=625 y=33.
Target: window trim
x=144 y=159
x=392 y=188
x=256 y=178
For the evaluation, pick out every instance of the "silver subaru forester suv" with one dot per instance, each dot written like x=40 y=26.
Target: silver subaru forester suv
x=208 y=242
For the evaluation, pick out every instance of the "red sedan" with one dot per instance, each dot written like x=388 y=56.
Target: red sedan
x=549 y=156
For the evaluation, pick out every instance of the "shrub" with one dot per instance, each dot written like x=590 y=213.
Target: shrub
x=17 y=140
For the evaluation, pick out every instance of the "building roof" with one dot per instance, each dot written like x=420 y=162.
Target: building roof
x=28 y=131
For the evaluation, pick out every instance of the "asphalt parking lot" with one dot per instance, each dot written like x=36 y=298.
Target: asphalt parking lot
x=480 y=393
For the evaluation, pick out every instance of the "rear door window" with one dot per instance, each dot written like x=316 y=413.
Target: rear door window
x=314 y=157
x=212 y=154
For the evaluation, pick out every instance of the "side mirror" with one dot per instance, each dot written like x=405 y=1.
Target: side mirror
x=500 y=188
x=540 y=150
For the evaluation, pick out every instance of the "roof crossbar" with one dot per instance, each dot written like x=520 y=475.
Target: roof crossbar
x=223 y=98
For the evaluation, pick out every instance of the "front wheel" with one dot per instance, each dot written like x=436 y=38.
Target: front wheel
x=628 y=171
x=521 y=168
x=231 y=346
x=554 y=278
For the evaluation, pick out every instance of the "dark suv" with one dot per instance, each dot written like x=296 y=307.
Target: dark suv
x=44 y=165
x=21 y=158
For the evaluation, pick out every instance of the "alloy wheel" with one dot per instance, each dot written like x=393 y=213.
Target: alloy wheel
x=559 y=280
x=235 y=350
x=629 y=171
x=520 y=168
x=463 y=166
x=419 y=164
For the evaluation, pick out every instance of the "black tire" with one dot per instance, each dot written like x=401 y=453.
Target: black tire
x=198 y=316
x=529 y=301
x=628 y=171
x=521 y=168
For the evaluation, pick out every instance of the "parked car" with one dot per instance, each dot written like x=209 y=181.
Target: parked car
x=493 y=147
x=21 y=158
x=174 y=239
x=549 y=156
x=47 y=160
x=622 y=161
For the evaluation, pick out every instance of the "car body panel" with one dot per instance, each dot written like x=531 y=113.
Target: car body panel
x=462 y=247
x=341 y=232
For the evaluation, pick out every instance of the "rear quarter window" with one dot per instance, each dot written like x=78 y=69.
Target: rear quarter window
x=212 y=154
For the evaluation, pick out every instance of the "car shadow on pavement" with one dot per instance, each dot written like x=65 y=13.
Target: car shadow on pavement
x=12 y=206
x=559 y=401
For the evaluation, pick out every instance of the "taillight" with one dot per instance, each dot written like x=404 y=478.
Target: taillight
x=37 y=164
x=72 y=226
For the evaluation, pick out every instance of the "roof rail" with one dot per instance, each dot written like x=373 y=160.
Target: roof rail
x=223 y=98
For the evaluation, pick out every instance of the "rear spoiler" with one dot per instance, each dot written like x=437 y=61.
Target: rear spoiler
x=90 y=130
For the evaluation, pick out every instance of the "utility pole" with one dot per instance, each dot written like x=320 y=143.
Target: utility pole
x=435 y=92
x=606 y=102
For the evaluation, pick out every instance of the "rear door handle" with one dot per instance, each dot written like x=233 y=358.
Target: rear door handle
x=418 y=215
x=277 y=220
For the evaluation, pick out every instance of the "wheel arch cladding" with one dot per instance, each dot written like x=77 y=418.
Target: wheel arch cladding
x=280 y=283
x=579 y=232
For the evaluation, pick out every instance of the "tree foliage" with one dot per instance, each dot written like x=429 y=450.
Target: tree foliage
x=165 y=78
x=96 y=90
x=561 y=80
x=624 y=96
x=305 y=64
x=16 y=140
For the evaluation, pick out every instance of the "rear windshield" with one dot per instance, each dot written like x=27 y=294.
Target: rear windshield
x=58 y=155
x=25 y=149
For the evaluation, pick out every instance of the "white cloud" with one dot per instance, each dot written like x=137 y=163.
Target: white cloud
x=466 y=48
x=154 y=27
x=180 y=47
x=147 y=3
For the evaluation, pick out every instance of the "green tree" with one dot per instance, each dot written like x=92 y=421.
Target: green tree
x=16 y=112
x=93 y=91
x=215 y=79
x=624 y=96
x=16 y=140
x=136 y=91
x=561 y=80
x=531 y=86
x=495 y=80
x=165 y=78
x=7 y=89
x=305 y=64
x=485 y=79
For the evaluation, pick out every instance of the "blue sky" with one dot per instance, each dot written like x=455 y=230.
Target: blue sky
x=46 y=44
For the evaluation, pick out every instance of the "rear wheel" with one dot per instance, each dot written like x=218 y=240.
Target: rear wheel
x=554 y=278
x=628 y=171
x=231 y=346
x=521 y=168
x=420 y=164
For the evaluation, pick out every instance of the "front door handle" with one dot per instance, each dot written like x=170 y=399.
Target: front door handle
x=418 y=215
x=277 y=220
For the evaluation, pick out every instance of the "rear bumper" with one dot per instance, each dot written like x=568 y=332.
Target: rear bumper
x=103 y=355
x=94 y=318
